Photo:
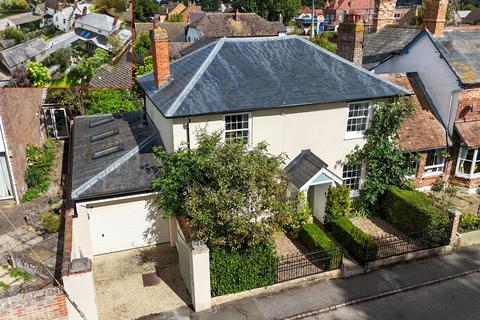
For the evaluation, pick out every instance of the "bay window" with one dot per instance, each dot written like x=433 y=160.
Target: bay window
x=434 y=163
x=468 y=164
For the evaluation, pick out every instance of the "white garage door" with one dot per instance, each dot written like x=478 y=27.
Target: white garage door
x=128 y=225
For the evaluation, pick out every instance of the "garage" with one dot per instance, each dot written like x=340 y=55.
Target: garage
x=126 y=225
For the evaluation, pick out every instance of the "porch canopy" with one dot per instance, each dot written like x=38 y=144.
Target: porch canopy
x=307 y=170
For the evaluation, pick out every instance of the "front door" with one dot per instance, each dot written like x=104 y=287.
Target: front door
x=317 y=199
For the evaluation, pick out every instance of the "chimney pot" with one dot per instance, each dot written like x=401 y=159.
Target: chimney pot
x=161 y=61
x=434 y=16
x=236 y=16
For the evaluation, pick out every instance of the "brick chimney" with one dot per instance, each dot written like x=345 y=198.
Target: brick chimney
x=84 y=11
x=384 y=13
x=115 y=21
x=350 y=35
x=161 y=62
x=434 y=16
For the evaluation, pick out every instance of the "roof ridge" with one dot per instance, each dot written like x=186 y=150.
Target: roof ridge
x=113 y=166
x=176 y=104
x=354 y=65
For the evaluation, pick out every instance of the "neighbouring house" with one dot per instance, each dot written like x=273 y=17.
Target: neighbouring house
x=5 y=22
x=169 y=9
x=460 y=15
x=24 y=19
x=218 y=25
x=18 y=127
x=96 y=28
x=64 y=19
x=403 y=15
x=447 y=63
x=335 y=12
x=192 y=8
x=117 y=74
x=473 y=17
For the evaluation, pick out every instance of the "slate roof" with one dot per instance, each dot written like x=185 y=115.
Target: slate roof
x=301 y=169
x=117 y=75
x=473 y=17
x=217 y=25
x=240 y=74
x=175 y=30
x=97 y=20
x=15 y=55
x=461 y=49
x=388 y=41
x=52 y=4
x=422 y=130
x=24 y=18
x=128 y=171
x=469 y=132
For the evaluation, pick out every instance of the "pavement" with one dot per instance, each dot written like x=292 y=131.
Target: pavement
x=311 y=297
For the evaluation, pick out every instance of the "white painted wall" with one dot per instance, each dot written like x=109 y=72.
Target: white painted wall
x=81 y=289
x=164 y=125
x=439 y=80
x=320 y=199
x=192 y=34
x=320 y=128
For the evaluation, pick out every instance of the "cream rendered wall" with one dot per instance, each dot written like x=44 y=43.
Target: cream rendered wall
x=163 y=124
x=439 y=80
x=81 y=289
x=289 y=130
x=81 y=239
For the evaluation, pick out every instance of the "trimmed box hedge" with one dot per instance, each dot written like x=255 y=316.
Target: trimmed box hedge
x=468 y=222
x=359 y=244
x=315 y=239
x=234 y=271
x=412 y=211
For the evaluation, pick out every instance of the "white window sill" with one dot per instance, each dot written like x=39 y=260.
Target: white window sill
x=467 y=176
x=354 y=135
x=432 y=174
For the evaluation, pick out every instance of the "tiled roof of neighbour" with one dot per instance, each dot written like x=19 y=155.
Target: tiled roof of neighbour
x=461 y=49
x=279 y=26
x=194 y=46
x=175 y=30
x=422 y=130
x=217 y=25
x=388 y=41
x=195 y=16
x=352 y=5
x=15 y=55
x=170 y=6
x=97 y=20
x=301 y=169
x=469 y=132
x=23 y=18
x=175 y=49
x=239 y=74
x=473 y=17
x=131 y=169
x=193 y=8
x=308 y=10
x=117 y=75
x=52 y=4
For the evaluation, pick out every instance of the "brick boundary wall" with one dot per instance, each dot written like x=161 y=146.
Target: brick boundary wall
x=45 y=304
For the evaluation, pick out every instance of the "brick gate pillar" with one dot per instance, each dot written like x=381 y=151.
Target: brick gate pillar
x=455 y=222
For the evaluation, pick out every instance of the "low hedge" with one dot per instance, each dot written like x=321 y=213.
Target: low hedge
x=412 y=211
x=234 y=271
x=468 y=222
x=315 y=239
x=359 y=244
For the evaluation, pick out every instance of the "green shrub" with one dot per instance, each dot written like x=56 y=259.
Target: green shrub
x=51 y=222
x=20 y=273
x=299 y=216
x=412 y=211
x=438 y=185
x=4 y=285
x=239 y=270
x=360 y=245
x=469 y=222
x=39 y=162
x=338 y=203
x=315 y=239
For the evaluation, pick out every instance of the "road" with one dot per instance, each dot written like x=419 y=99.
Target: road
x=457 y=299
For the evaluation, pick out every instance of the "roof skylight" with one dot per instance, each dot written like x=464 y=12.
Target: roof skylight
x=108 y=151
x=100 y=122
x=104 y=135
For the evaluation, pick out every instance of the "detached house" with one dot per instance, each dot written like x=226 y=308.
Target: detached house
x=447 y=62
x=252 y=89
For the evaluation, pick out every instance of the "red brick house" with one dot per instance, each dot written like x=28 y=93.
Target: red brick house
x=20 y=124
x=335 y=11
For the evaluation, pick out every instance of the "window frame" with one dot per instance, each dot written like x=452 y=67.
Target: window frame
x=434 y=166
x=249 y=121
x=353 y=192
x=475 y=159
x=358 y=134
x=5 y=152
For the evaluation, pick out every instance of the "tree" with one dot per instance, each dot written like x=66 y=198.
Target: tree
x=14 y=33
x=87 y=67
x=145 y=67
x=338 y=203
x=21 y=77
x=61 y=57
x=386 y=164
x=39 y=74
x=323 y=40
x=210 y=5
x=141 y=47
x=105 y=5
x=270 y=9
x=145 y=10
x=235 y=196
x=177 y=17
x=116 y=43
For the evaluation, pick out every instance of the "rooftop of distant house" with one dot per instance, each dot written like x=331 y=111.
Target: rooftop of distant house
x=117 y=74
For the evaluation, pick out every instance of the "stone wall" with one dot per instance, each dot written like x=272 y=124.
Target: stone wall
x=45 y=304
x=20 y=111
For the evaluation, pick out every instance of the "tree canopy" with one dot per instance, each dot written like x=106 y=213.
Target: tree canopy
x=270 y=9
x=145 y=10
x=386 y=164
x=39 y=74
x=235 y=196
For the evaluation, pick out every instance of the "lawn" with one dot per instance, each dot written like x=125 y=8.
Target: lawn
x=65 y=81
